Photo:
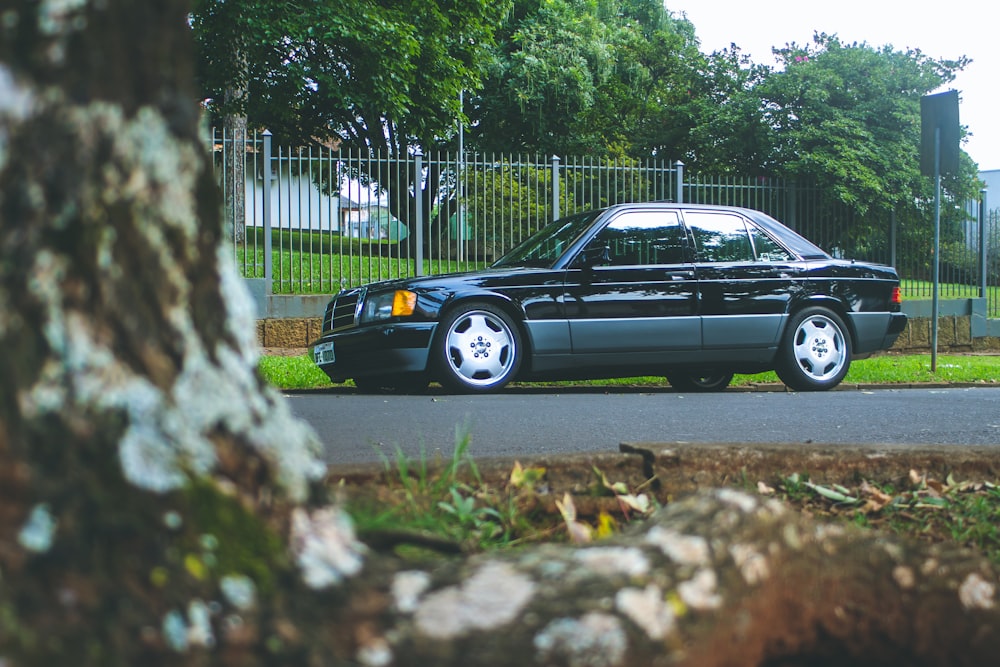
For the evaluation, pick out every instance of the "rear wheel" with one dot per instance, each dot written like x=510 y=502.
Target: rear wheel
x=700 y=382
x=478 y=350
x=815 y=352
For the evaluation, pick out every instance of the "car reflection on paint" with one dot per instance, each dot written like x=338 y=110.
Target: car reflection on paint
x=694 y=293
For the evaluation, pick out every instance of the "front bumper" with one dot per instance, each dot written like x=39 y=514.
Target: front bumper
x=385 y=349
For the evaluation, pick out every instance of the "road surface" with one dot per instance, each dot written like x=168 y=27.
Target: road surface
x=357 y=428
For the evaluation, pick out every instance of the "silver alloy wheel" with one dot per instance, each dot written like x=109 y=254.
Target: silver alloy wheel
x=819 y=348
x=480 y=348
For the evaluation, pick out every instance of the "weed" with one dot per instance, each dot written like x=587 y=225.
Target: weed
x=964 y=513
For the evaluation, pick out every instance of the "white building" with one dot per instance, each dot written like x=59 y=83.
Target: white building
x=992 y=180
x=298 y=203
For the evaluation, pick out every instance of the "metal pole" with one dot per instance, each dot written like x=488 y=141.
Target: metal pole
x=555 y=187
x=268 y=287
x=680 y=182
x=791 y=205
x=893 y=231
x=460 y=217
x=983 y=256
x=418 y=194
x=937 y=247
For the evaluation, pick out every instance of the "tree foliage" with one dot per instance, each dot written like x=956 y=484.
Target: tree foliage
x=602 y=78
x=730 y=135
x=845 y=119
x=363 y=74
x=847 y=116
x=589 y=77
x=373 y=74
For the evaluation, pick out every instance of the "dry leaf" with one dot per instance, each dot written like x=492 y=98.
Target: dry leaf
x=764 y=489
x=579 y=533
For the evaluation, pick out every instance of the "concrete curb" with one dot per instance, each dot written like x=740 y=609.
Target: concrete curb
x=774 y=388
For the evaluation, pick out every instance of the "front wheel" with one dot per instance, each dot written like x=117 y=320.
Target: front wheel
x=699 y=382
x=815 y=352
x=478 y=350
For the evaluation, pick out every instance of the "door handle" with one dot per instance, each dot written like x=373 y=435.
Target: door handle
x=681 y=275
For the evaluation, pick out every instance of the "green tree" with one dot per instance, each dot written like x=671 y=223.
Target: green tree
x=363 y=74
x=380 y=75
x=730 y=134
x=589 y=77
x=848 y=117
x=845 y=118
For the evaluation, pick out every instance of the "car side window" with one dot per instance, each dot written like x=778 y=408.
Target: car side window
x=719 y=237
x=644 y=237
x=766 y=248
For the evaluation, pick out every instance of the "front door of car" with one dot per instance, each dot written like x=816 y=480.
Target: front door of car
x=745 y=280
x=633 y=289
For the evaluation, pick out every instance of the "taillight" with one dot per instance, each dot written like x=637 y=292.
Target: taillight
x=897 y=296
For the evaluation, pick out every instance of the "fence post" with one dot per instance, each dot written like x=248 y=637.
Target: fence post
x=791 y=217
x=555 y=187
x=268 y=287
x=983 y=256
x=680 y=182
x=893 y=231
x=418 y=195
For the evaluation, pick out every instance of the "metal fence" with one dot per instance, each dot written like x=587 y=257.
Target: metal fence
x=319 y=219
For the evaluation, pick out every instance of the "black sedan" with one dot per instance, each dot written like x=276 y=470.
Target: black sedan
x=692 y=292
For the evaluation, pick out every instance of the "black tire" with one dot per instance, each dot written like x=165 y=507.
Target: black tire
x=478 y=349
x=699 y=382
x=815 y=352
x=415 y=383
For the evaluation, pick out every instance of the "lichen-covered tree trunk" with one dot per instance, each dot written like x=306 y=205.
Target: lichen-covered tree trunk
x=159 y=506
x=235 y=186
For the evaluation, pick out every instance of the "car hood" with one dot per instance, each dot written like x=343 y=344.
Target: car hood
x=483 y=278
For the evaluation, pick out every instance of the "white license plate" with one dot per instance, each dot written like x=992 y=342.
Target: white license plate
x=323 y=353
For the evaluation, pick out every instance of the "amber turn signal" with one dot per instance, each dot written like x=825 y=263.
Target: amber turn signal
x=403 y=303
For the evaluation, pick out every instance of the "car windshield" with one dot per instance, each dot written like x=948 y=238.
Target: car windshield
x=547 y=245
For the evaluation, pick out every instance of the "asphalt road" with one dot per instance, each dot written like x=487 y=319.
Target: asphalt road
x=357 y=428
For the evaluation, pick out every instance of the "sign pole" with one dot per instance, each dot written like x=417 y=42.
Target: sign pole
x=937 y=248
x=939 y=154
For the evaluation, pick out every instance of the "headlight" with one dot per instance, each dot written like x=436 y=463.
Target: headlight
x=388 y=304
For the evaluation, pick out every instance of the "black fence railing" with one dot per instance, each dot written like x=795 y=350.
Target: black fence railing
x=318 y=219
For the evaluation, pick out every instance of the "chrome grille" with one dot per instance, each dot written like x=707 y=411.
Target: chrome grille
x=342 y=313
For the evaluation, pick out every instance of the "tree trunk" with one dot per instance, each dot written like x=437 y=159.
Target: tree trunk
x=235 y=140
x=160 y=506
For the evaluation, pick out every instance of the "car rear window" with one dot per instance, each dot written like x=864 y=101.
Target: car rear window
x=798 y=244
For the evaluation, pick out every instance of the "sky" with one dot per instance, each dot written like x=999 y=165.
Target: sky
x=942 y=30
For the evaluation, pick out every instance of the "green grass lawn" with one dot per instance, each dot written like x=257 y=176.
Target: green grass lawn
x=301 y=373
x=323 y=263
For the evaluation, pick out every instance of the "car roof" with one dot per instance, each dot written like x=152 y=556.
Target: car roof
x=796 y=242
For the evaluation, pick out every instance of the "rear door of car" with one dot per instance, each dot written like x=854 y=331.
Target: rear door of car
x=745 y=280
x=642 y=296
